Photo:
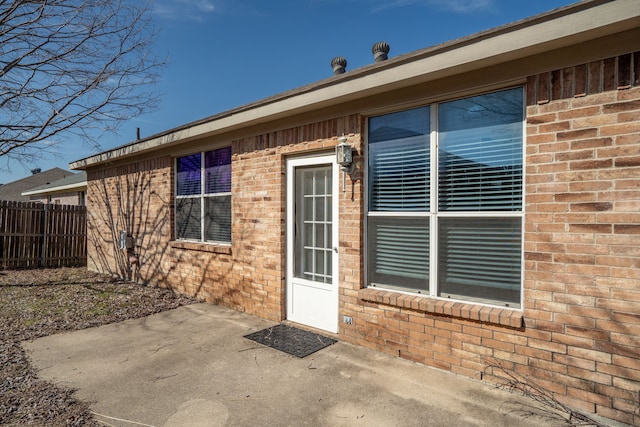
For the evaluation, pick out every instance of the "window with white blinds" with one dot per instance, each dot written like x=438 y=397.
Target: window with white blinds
x=203 y=196
x=399 y=199
x=399 y=161
x=399 y=251
x=480 y=153
x=479 y=259
x=445 y=209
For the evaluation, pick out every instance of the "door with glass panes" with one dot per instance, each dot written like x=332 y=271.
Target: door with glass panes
x=312 y=244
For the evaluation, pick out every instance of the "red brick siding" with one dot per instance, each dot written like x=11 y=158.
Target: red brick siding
x=582 y=265
x=136 y=198
x=583 y=210
x=249 y=275
x=577 y=335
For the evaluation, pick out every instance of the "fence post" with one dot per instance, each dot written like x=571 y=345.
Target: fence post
x=43 y=258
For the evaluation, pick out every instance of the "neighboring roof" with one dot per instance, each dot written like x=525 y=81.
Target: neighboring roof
x=13 y=190
x=561 y=28
x=75 y=182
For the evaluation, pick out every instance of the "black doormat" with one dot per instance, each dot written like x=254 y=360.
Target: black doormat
x=294 y=341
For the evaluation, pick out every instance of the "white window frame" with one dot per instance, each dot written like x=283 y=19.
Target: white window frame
x=202 y=196
x=434 y=214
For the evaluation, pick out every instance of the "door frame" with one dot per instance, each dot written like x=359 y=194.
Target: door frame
x=291 y=165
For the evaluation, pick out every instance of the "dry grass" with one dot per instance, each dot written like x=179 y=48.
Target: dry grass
x=36 y=303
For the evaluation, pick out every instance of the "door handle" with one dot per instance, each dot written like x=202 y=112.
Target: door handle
x=335 y=249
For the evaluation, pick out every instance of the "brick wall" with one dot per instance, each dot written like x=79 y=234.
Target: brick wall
x=136 y=198
x=582 y=297
x=248 y=275
x=577 y=335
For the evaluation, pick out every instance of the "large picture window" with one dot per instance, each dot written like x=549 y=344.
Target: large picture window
x=445 y=199
x=203 y=196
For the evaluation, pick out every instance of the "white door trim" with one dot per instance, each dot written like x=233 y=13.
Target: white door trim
x=329 y=293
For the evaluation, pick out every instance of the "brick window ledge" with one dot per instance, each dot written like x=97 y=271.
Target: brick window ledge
x=479 y=313
x=202 y=247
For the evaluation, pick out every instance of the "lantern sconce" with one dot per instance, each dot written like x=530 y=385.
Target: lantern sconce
x=344 y=157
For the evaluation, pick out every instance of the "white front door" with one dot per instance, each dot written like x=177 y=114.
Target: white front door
x=312 y=242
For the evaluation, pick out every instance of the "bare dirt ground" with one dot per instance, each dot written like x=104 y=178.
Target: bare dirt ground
x=36 y=303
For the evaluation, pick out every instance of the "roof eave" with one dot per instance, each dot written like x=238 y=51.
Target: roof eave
x=78 y=186
x=560 y=28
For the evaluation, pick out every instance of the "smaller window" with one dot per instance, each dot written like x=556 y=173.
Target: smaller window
x=203 y=196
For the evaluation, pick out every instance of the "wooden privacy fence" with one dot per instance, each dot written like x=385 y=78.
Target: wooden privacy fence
x=42 y=235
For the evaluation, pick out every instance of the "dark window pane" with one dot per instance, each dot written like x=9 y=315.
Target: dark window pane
x=399 y=161
x=218 y=219
x=480 y=259
x=399 y=252
x=188 y=218
x=217 y=165
x=188 y=176
x=480 y=152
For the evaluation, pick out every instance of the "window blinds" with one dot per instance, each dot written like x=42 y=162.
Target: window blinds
x=400 y=175
x=480 y=173
x=479 y=187
x=480 y=257
x=399 y=251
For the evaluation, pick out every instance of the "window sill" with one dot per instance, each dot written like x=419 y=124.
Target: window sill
x=496 y=315
x=202 y=247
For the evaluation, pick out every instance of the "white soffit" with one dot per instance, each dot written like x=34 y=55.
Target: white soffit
x=77 y=186
x=515 y=41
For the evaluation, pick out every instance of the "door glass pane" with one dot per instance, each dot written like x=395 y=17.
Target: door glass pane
x=313 y=224
x=308 y=208
x=319 y=209
x=319 y=266
x=319 y=232
x=320 y=177
x=308 y=261
x=307 y=235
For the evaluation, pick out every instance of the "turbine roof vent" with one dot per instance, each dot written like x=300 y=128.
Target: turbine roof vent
x=339 y=65
x=380 y=51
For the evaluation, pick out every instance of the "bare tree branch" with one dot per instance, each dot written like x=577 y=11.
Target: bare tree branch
x=72 y=68
x=545 y=406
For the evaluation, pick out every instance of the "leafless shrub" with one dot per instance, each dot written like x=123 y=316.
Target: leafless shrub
x=545 y=407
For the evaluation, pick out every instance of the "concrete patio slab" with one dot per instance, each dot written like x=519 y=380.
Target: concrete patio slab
x=192 y=367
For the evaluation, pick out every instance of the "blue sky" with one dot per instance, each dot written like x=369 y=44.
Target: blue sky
x=227 y=53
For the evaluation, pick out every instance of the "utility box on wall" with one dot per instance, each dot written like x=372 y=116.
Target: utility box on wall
x=122 y=240
x=125 y=241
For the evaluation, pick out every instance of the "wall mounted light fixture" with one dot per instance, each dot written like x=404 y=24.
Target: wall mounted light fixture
x=344 y=157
